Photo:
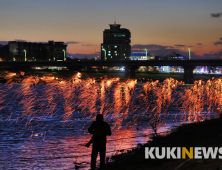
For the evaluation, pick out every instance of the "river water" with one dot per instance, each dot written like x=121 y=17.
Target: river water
x=44 y=125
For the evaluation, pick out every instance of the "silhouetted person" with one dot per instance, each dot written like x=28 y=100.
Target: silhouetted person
x=100 y=130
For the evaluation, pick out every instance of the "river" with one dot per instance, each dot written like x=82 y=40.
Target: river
x=44 y=124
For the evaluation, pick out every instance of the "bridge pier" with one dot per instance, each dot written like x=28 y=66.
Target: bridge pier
x=130 y=71
x=127 y=69
x=188 y=74
x=133 y=71
x=75 y=68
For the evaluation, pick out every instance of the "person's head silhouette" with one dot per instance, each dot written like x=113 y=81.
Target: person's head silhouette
x=99 y=118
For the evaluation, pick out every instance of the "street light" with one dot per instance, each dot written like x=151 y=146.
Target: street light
x=25 y=55
x=146 y=53
x=189 y=54
x=64 y=54
x=54 y=55
x=105 y=53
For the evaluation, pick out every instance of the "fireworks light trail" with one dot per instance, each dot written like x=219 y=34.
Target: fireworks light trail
x=201 y=100
x=39 y=100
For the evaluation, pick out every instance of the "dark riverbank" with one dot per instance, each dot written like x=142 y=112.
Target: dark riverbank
x=200 y=134
x=140 y=76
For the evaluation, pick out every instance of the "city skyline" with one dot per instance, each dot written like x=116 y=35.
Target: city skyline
x=159 y=26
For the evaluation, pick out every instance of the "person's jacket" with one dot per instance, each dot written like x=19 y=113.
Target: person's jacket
x=100 y=130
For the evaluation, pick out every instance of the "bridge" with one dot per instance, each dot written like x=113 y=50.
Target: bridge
x=130 y=66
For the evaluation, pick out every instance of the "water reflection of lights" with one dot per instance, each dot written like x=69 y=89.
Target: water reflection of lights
x=62 y=151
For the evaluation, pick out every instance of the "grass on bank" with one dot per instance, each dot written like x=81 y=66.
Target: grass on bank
x=200 y=134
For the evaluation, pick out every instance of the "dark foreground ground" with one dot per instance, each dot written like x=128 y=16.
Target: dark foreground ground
x=200 y=134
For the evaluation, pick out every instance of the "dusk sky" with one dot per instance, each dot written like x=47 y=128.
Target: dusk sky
x=161 y=26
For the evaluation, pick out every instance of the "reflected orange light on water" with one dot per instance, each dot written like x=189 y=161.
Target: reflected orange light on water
x=67 y=150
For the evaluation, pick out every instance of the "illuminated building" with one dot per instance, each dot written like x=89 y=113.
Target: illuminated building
x=116 y=43
x=141 y=56
x=29 y=51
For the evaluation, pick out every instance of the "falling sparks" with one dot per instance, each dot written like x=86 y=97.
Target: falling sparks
x=38 y=99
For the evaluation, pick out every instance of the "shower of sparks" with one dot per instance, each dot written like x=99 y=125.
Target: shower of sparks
x=35 y=100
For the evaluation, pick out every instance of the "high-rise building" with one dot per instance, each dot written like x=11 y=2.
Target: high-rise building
x=116 y=43
x=29 y=51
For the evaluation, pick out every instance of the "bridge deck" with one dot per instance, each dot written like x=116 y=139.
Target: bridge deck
x=118 y=63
